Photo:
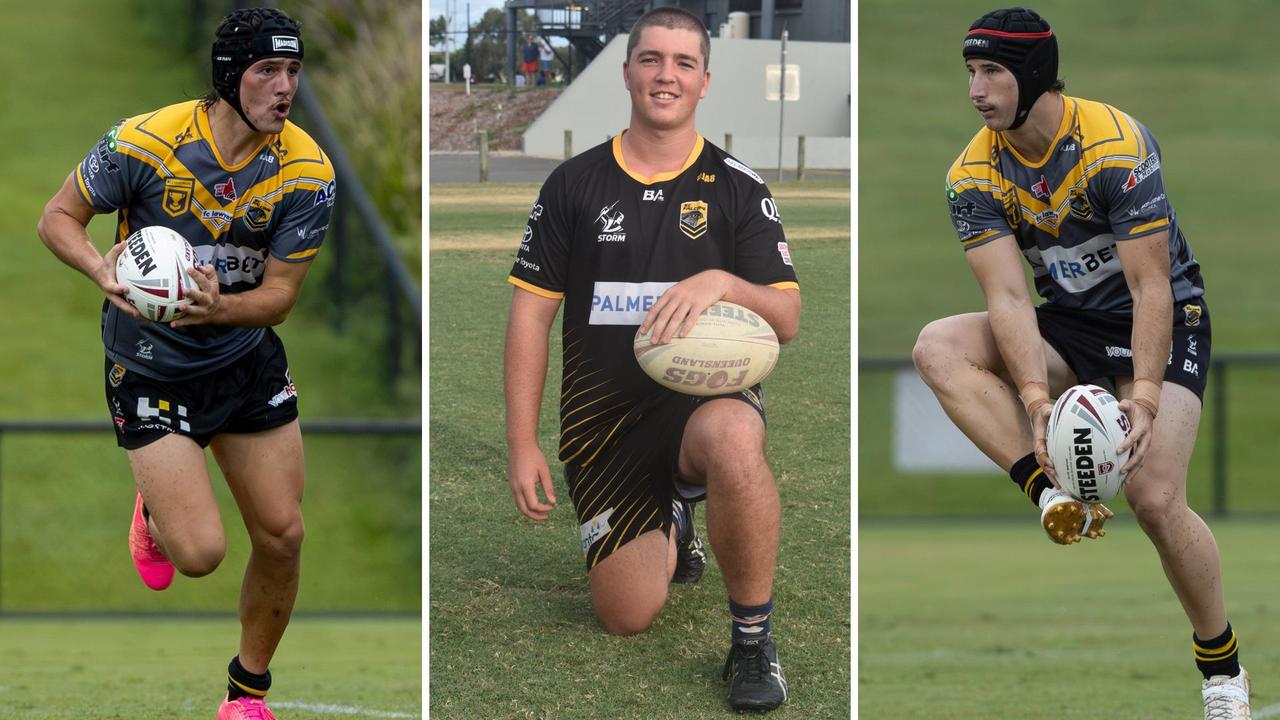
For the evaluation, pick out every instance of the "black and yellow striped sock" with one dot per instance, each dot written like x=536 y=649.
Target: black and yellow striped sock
x=242 y=683
x=1030 y=478
x=1219 y=656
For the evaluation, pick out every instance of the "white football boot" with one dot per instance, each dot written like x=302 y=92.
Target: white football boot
x=1066 y=519
x=1226 y=697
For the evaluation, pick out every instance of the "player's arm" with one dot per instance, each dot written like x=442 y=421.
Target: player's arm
x=1145 y=262
x=997 y=265
x=264 y=306
x=678 y=308
x=62 y=228
x=524 y=374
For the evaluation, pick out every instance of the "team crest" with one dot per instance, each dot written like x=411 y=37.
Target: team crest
x=117 y=374
x=1079 y=201
x=177 y=195
x=1192 y=313
x=258 y=214
x=693 y=219
x=1012 y=208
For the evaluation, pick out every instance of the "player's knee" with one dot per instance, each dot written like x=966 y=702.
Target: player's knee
x=1154 y=508
x=196 y=557
x=281 y=539
x=730 y=438
x=932 y=351
x=632 y=618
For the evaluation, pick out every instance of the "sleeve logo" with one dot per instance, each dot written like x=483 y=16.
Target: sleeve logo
x=1142 y=171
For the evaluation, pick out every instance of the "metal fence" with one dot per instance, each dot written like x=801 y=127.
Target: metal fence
x=337 y=426
x=1220 y=368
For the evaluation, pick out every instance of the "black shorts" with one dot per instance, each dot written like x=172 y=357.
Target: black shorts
x=1096 y=344
x=252 y=394
x=627 y=489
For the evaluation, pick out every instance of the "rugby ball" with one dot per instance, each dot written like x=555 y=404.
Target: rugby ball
x=729 y=349
x=153 y=266
x=1085 y=429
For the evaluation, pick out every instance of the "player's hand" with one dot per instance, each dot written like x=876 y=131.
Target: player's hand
x=206 y=298
x=1138 y=441
x=105 y=277
x=677 y=310
x=526 y=470
x=1039 y=417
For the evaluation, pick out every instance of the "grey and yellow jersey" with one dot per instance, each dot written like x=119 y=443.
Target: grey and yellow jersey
x=1099 y=184
x=162 y=168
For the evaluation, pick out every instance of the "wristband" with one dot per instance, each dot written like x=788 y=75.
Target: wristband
x=1147 y=394
x=1034 y=394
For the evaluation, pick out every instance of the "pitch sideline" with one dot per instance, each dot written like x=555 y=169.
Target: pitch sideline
x=344 y=710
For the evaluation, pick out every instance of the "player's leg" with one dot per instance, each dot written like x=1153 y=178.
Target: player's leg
x=173 y=480
x=264 y=471
x=724 y=449
x=629 y=586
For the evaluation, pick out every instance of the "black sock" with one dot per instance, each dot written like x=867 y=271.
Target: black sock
x=1030 y=478
x=1219 y=656
x=242 y=683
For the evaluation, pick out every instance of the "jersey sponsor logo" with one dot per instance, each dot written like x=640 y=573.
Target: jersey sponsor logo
x=1079 y=203
x=611 y=229
x=536 y=212
x=785 y=252
x=528 y=238
x=258 y=214
x=177 y=195
x=327 y=194
x=1041 y=188
x=979 y=42
x=219 y=218
x=225 y=191
x=706 y=177
x=624 y=303
x=1142 y=171
x=162 y=414
x=654 y=195
x=743 y=169
x=284 y=42
x=1148 y=205
x=1048 y=218
x=1113 y=351
x=233 y=263
x=693 y=219
x=290 y=391
x=1191 y=315
x=594 y=529
x=770 y=209
x=1082 y=267
x=117 y=374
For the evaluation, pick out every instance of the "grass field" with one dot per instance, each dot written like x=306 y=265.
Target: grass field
x=984 y=618
x=175 y=669
x=512 y=634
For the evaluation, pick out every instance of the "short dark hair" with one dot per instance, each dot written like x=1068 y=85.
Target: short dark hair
x=672 y=18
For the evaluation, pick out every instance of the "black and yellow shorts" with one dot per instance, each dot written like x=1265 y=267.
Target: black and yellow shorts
x=1096 y=345
x=628 y=487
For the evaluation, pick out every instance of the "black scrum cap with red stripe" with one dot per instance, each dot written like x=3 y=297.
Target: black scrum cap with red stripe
x=1022 y=41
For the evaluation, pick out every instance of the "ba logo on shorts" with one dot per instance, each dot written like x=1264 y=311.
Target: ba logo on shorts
x=258 y=214
x=117 y=375
x=693 y=219
x=177 y=195
x=1192 y=313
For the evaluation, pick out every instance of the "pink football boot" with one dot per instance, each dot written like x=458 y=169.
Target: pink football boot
x=245 y=708
x=153 y=567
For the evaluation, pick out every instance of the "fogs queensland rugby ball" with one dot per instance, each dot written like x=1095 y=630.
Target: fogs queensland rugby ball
x=1084 y=431
x=729 y=349
x=153 y=266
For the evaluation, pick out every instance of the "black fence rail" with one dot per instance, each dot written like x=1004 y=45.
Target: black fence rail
x=1220 y=367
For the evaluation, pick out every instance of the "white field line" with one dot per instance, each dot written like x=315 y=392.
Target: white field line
x=343 y=710
x=1267 y=712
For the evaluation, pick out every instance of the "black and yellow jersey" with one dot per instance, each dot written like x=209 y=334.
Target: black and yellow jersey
x=1099 y=184
x=609 y=242
x=163 y=168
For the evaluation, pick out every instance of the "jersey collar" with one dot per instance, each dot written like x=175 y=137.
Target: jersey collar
x=660 y=177
x=1064 y=126
x=206 y=133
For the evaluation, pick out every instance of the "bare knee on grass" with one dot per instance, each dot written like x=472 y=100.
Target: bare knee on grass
x=629 y=587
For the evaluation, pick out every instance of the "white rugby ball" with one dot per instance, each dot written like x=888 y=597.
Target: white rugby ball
x=729 y=349
x=1084 y=431
x=153 y=266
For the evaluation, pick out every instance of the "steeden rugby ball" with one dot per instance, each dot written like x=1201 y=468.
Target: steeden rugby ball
x=1084 y=431
x=729 y=349
x=153 y=266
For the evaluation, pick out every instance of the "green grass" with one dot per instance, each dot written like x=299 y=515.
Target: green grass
x=175 y=669
x=512 y=631
x=959 y=620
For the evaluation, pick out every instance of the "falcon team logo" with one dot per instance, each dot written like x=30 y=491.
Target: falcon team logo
x=611 y=229
x=177 y=195
x=693 y=219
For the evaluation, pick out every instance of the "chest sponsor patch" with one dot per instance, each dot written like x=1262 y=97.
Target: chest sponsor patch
x=624 y=303
x=1082 y=267
x=233 y=263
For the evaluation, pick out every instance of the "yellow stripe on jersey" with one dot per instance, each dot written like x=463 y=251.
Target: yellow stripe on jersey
x=551 y=294
x=1154 y=225
x=660 y=177
x=988 y=235
x=302 y=254
x=786 y=285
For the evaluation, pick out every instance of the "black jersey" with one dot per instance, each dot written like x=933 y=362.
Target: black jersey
x=162 y=168
x=609 y=242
